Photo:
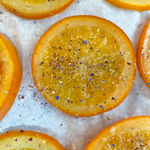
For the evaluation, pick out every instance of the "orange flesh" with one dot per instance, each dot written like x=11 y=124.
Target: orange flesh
x=132 y=134
x=143 y=54
x=24 y=149
x=10 y=74
x=28 y=140
x=140 y=5
x=6 y=71
x=36 y=9
x=82 y=68
x=34 y=2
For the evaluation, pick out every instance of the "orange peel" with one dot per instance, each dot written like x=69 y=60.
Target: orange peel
x=84 y=65
x=139 y=5
x=143 y=54
x=36 y=9
x=131 y=133
x=28 y=140
x=10 y=74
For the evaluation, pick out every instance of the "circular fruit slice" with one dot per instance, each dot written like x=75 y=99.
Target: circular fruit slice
x=131 y=4
x=132 y=133
x=28 y=140
x=36 y=9
x=143 y=54
x=84 y=65
x=10 y=74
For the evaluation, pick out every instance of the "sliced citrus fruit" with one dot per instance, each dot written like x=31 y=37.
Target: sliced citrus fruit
x=132 y=133
x=10 y=74
x=140 y=5
x=28 y=140
x=36 y=9
x=143 y=54
x=84 y=65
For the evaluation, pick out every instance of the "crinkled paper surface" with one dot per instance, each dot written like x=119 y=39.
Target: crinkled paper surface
x=32 y=112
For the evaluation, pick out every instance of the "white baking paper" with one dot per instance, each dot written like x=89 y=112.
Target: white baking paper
x=32 y=112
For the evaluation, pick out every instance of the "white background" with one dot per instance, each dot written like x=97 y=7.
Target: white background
x=34 y=112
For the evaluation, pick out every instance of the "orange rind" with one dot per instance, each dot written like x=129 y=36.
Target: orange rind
x=143 y=54
x=28 y=140
x=132 y=133
x=10 y=74
x=139 y=5
x=84 y=65
x=36 y=9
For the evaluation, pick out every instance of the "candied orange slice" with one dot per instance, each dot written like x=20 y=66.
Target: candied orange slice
x=140 y=5
x=28 y=140
x=10 y=74
x=84 y=65
x=143 y=54
x=132 y=133
x=36 y=9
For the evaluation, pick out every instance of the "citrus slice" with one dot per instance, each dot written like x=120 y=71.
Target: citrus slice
x=10 y=74
x=130 y=134
x=143 y=54
x=28 y=140
x=84 y=65
x=36 y=9
x=140 y=5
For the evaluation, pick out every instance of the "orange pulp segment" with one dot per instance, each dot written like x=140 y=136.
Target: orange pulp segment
x=132 y=133
x=140 y=5
x=143 y=54
x=84 y=65
x=10 y=74
x=28 y=140
x=36 y=9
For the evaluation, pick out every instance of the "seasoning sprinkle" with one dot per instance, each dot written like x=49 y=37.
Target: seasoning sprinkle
x=41 y=63
x=57 y=98
x=68 y=100
x=128 y=63
x=101 y=107
x=30 y=139
x=84 y=42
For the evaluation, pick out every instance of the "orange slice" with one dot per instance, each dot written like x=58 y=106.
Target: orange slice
x=10 y=74
x=143 y=54
x=84 y=65
x=140 y=5
x=28 y=140
x=130 y=134
x=36 y=9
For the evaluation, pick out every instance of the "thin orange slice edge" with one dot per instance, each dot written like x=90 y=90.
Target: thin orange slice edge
x=143 y=54
x=84 y=65
x=131 y=133
x=33 y=9
x=139 y=5
x=28 y=140
x=10 y=74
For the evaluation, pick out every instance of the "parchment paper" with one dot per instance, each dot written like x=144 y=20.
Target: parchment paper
x=32 y=112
